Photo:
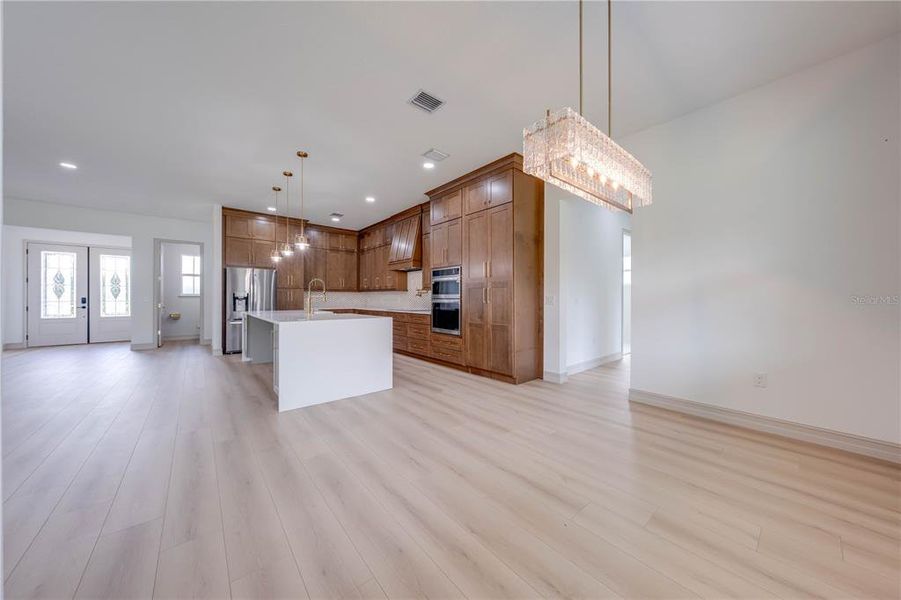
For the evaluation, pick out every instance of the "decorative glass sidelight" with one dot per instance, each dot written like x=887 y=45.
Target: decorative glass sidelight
x=115 y=291
x=57 y=284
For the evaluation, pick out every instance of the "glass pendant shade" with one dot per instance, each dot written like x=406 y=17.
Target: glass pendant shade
x=287 y=250
x=565 y=149
x=301 y=242
x=275 y=256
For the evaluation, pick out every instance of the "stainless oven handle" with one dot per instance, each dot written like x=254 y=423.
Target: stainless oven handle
x=445 y=297
x=448 y=278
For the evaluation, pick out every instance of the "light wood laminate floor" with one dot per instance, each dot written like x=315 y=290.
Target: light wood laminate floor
x=170 y=474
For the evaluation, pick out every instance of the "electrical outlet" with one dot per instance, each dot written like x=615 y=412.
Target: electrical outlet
x=760 y=380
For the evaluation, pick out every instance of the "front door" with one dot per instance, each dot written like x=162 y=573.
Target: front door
x=57 y=294
x=110 y=293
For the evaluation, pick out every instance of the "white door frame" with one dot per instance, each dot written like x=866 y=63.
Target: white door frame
x=157 y=274
x=622 y=295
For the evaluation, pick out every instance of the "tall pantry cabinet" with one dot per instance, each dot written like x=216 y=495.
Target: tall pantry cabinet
x=502 y=266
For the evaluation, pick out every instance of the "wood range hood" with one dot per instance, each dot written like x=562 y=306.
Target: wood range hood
x=406 y=241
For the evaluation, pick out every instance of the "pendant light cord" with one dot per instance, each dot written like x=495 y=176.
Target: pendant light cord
x=287 y=208
x=580 y=57
x=301 y=197
x=609 y=70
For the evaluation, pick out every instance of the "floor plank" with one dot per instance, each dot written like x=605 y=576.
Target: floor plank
x=175 y=477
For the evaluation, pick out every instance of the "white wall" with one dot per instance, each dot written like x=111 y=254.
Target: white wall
x=583 y=275
x=12 y=268
x=188 y=325
x=772 y=211
x=142 y=230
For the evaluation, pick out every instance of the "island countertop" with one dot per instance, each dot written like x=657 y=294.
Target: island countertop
x=287 y=317
x=327 y=357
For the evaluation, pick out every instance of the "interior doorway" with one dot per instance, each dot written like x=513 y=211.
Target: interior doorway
x=627 y=292
x=179 y=291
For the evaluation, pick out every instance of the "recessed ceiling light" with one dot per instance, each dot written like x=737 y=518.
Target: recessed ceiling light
x=336 y=219
x=428 y=165
x=370 y=199
x=271 y=209
x=67 y=165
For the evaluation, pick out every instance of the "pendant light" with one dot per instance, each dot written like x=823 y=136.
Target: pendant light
x=300 y=240
x=287 y=250
x=275 y=255
x=565 y=149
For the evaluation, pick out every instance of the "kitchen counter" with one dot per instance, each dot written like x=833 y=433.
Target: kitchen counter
x=412 y=311
x=327 y=357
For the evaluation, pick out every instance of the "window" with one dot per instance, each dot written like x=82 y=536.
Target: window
x=115 y=288
x=190 y=275
x=57 y=285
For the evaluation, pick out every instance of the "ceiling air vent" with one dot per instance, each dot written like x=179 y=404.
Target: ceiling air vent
x=426 y=101
x=435 y=154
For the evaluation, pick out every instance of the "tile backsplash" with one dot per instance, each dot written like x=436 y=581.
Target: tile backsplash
x=375 y=300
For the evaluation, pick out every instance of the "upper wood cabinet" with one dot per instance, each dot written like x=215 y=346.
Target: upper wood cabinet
x=488 y=192
x=289 y=271
x=406 y=244
x=315 y=264
x=341 y=271
x=447 y=207
x=249 y=226
x=447 y=244
x=426 y=261
x=342 y=241
x=238 y=252
x=318 y=238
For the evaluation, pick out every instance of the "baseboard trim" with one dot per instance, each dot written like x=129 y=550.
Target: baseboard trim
x=594 y=362
x=796 y=431
x=206 y=342
x=14 y=346
x=143 y=346
x=554 y=377
x=181 y=338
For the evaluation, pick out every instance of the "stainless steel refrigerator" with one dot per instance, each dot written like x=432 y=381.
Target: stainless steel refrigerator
x=245 y=289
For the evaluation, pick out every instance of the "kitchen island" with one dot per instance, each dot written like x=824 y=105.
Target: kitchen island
x=326 y=357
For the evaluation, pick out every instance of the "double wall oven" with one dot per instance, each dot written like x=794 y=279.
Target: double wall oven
x=446 y=293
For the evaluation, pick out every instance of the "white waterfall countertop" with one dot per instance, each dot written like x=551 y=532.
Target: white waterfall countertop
x=326 y=357
x=300 y=316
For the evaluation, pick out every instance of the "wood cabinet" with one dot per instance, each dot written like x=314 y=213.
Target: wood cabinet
x=249 y=226
x=447 y=244
x=502 y=258
x=238 y=252
x=289 y=299
x=315 y=265
x=248 y=240
x=375 y=273
x=342 y=241
x=487 y=297
x=290 y=271
x=490 y=191
x=447 y=207
x=341 y=270
x=426 y=261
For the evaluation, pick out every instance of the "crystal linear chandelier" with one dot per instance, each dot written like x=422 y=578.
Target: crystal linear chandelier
x=566 y=150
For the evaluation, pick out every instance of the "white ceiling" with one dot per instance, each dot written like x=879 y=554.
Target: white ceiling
x=168 y=108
